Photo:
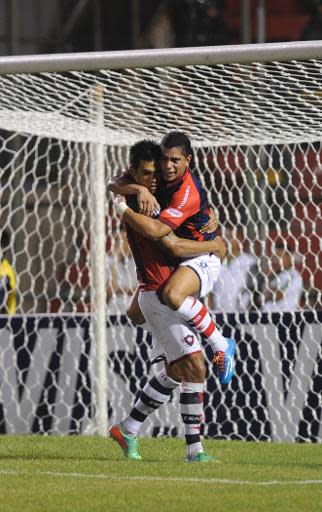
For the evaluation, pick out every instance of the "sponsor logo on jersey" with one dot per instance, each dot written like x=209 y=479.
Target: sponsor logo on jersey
x=185 y=197
x=173 y=212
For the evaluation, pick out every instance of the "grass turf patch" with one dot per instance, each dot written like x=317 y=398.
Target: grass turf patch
x=40 y=473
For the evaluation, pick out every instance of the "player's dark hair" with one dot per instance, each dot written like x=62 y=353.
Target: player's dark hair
x=176 y=139
x=147 y=150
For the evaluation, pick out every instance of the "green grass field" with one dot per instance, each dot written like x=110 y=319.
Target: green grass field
x=90 y=474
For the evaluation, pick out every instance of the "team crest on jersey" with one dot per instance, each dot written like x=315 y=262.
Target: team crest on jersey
x=173 y=212
x=189 y=339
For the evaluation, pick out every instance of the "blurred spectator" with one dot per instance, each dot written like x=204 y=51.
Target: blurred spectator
x=159 y=32
x=284 y=285
x=8 y=304
x=226 y=296
x=208 y=26
x=252 y=297
x=312 y=31
x=313 y=299
x=121 y=278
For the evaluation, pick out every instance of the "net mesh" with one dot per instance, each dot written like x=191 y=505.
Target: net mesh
x=257 y=150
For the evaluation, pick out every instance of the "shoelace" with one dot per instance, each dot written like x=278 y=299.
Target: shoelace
x=219 y=360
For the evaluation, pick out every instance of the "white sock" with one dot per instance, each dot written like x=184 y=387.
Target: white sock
x=191 y=408
x=194 y=312
x=155 y=393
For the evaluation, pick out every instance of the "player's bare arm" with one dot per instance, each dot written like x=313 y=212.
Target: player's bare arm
x=147 y=227
x=153 y=228
x=182 y=247
x=122 y=185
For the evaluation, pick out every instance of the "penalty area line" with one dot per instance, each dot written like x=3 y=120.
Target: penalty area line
x=106 y=476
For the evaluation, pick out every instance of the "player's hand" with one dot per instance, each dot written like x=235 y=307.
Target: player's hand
x=118 y=198
x=120 y=204
x=212 y=223
x=220 y=248
x=148 y=204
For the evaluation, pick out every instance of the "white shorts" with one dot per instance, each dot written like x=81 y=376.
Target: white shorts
x=207 y=268
x=174 y=337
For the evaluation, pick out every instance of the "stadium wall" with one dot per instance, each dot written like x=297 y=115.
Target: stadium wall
x=46 y=377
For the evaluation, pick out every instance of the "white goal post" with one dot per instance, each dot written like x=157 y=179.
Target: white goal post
x=71 y=364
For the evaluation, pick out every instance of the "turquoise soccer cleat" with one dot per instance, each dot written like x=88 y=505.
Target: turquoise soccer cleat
x=128 y=443
x=225 y=361
x=201 y=457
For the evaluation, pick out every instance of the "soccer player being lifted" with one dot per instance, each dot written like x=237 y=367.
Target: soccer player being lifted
x=182 y=351
x=181 y=348
x=184 y=210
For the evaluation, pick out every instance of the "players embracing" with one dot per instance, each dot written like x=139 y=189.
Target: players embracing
x=169 y=290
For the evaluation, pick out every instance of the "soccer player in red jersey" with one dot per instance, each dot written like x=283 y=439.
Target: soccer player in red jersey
x=185 y=209
x=184 y=359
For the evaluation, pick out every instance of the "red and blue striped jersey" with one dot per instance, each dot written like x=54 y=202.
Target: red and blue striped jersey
x=185 y=207
x=153 y=265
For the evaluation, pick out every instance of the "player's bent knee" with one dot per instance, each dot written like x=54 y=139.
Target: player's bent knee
x=172 y=298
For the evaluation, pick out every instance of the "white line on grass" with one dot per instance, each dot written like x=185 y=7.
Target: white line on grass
x=105 y=476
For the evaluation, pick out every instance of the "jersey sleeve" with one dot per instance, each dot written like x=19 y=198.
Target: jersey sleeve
x=184 y=203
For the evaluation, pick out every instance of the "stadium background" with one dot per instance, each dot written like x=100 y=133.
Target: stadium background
x=50 y=26
x=45 y=361
x=46 y=27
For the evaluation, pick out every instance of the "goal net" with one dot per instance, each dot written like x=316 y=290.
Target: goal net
x=69 y=363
